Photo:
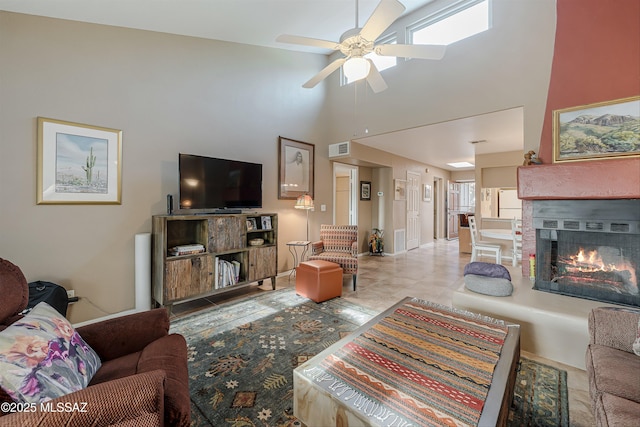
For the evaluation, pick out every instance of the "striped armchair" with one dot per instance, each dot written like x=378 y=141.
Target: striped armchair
x=339 y=244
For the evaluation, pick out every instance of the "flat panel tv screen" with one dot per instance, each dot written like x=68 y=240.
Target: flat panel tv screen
x=209 y=184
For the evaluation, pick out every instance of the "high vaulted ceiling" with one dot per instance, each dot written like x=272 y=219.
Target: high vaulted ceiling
x=256 y=22
x=259 y=22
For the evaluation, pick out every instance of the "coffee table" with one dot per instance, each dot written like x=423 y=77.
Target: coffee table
x=397 y=370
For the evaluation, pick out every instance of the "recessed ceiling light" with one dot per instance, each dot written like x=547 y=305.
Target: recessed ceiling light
x=460 y=165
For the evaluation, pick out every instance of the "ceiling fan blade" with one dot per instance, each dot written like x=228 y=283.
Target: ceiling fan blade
x=307 y=41
x=375 y=79
x=385 y=13
x=324 y=73
x=420 y=51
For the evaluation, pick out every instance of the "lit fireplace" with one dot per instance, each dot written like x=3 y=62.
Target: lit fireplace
x=589 y=249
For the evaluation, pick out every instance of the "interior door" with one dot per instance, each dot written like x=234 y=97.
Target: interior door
x=345 y=194
x=453 y=209
x=413 y=210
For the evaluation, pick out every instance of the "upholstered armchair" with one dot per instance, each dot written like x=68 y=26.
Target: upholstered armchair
x=339 y=244
x=143 y=378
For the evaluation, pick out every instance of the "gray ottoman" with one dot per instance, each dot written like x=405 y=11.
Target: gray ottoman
x=495 y=286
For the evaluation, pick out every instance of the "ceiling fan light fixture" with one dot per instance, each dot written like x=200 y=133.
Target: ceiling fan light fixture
x=356 y=68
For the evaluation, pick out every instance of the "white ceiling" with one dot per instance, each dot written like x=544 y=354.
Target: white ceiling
x=451 y=141
x=259 y=22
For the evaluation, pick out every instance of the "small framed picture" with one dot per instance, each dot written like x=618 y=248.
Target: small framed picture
x=400 y=189
x=365 y=190
x=266 y=222
x=251 y=224
x=426 y=192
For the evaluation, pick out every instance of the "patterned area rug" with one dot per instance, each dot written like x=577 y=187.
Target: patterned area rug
x=242 y=355
x=540 y=397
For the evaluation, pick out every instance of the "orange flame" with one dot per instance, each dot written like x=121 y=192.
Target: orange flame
x=591 y=261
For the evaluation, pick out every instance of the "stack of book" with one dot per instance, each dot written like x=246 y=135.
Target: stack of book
x=186 y=249
x=227 y=273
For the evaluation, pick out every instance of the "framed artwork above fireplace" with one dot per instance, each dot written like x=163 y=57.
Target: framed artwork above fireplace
x=602 y=130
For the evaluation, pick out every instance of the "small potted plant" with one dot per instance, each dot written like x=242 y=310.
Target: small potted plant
x=376 y=244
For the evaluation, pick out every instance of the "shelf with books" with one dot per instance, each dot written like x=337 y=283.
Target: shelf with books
x=199 y=255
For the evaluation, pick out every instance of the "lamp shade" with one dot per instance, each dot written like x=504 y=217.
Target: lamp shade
x=356 y=68
x=304 y=202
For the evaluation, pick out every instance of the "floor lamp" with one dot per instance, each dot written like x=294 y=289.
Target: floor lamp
x=305 y=202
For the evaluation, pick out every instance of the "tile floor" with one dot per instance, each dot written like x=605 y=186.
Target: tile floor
x=431 y=273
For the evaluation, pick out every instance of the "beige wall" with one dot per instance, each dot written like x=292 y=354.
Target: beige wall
x=168 y=94
x=171 y=94
x=365 y=214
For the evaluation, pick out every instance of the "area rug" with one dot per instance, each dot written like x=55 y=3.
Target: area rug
x=540 y=397
x=242 y=355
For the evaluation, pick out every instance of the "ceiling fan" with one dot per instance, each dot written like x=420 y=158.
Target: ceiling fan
x=358 y=42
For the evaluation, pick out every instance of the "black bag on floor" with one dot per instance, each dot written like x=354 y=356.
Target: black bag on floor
x=52 y=294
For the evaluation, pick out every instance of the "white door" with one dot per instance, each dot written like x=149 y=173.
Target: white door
x=413 y=210
x=453 y=209
x=345 y=194
x=438 y=206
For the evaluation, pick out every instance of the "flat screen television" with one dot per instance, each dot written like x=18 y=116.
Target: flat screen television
x=209 y=184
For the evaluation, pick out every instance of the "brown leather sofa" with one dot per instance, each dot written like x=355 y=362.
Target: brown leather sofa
x=143 y=380
x=612 y=367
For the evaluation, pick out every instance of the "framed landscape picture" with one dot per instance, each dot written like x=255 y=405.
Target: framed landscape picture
x=78 y=164
x=597 y=131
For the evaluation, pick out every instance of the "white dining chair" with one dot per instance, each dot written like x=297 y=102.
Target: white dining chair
x=516 y=235
x=481 y=248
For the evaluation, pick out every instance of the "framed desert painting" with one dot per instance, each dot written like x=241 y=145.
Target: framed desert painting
x=597 y=131
x=78 y=164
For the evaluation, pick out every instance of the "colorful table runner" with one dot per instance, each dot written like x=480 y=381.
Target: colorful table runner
x=421 y=365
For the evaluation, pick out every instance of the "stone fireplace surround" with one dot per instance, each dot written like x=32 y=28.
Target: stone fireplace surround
x=554 y=326
x=596 y=180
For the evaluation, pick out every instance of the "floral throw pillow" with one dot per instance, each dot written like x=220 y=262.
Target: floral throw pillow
x=42 y=357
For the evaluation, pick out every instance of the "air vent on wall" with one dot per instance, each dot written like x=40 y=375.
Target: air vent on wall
x=620 y=227
x=594 y=226
x=340 y=149
x=571 y=225
x=550 y=223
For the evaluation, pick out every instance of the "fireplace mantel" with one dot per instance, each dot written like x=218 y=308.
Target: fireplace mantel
x=599 y=179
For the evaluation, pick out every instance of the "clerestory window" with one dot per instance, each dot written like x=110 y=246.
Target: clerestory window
x=459 y=21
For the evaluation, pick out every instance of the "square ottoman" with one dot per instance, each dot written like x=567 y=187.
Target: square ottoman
x=319 y=280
